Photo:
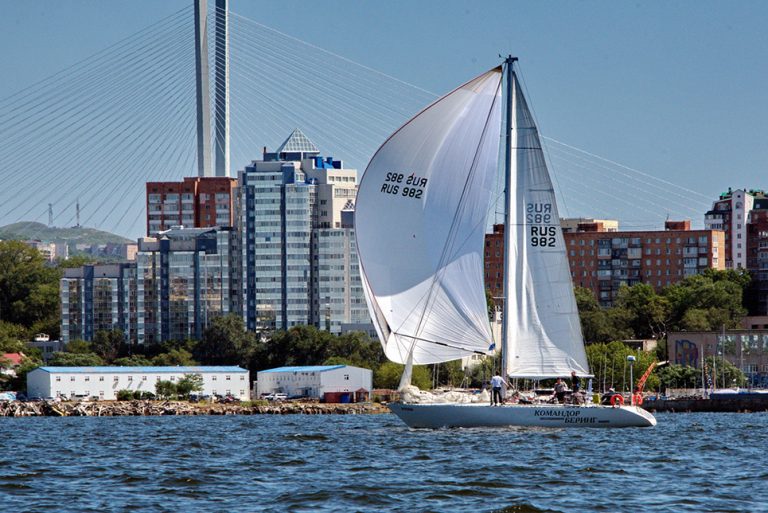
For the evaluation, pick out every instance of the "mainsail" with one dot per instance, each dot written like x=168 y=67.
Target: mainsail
x=542 y=331
x=420 y=222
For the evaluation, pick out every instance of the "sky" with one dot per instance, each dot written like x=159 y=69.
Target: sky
x=674 y=89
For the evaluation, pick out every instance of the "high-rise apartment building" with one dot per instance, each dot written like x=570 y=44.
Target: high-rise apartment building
x=196 y=202
x=731 y=213
x=185 y=279
x=603 y=261
x=96 y=297
x=289 y=205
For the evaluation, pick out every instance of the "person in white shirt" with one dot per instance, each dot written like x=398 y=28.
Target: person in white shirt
x=496 y=383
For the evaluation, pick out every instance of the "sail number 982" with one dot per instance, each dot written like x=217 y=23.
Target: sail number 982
x=537 y=214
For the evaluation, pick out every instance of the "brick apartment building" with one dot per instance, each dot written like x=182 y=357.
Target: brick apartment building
x=603 y=261
x=195 y=202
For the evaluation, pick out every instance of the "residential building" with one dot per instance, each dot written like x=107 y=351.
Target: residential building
x=746 y=349
x=338 y=299
x=46 y=249
x=298 y=252
x=195 y=202
x=730 y=213
x=184 y=279
x=757 y=255
x=333 y=383
x=105 y=382
x=603 y=261
x=95 y=297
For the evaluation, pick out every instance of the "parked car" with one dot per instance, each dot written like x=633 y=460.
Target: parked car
x=276 y=396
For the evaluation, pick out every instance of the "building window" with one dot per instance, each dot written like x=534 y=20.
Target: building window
x=173 y=378
x=72 y=378
x=213 y=378
x=130 y=378
x=143 y=378
x=227 y=378
x=101 y=378
x=346 y=377
x=87 y=378
x=58 y=378
x=116 y=379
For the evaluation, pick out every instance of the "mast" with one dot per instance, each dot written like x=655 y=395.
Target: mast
x=509 y=109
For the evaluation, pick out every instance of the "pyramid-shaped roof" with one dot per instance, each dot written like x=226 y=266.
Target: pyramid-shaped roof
x=297 y=142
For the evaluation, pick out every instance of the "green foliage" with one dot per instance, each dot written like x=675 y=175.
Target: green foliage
x=306 y=345
x=136 y=360
x=107 y=344
x=60 y=359
x=388 y=376
x=450 y=374
x=608 y=363
x=173 y=358
x=75 y=261
x=704 y=302
x=165 y=389
x=647 y=312
x=78 y=346
x=189 y=383
x=29 y=290
x=13 y=337
x=124 y=395
x=226 y=342
x=724 y=374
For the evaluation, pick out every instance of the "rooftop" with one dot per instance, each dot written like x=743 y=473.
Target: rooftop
x=307 y=368
x=297 y=142
x=146 y=370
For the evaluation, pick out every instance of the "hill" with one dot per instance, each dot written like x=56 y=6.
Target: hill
x=72 y=236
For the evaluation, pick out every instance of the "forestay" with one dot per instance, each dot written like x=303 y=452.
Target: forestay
x=543 y=335
x=420 y=222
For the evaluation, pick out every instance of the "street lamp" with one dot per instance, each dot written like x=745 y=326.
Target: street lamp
x=631 y=359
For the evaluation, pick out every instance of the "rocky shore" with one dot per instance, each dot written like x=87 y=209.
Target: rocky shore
x=139 y=408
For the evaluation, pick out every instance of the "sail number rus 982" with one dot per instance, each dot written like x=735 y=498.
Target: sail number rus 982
x=538 y=216
x=410 y=186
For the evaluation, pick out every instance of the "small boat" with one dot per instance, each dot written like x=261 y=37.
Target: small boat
x=420 y=219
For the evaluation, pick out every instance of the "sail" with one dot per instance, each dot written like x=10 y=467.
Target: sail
x=543 y=335
x=420 y=221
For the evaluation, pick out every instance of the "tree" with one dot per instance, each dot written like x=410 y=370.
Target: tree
x=13 y=337
x=74 y=261
x=107 y=344
x=388 y=376
x=136 y=360
x=165 y=389
x=226 y=342
x=78 y=346
x=723 y=374
x=648 y=312
x=188 y=384
x=173 y=358
x=29 y=289
x=61 y=359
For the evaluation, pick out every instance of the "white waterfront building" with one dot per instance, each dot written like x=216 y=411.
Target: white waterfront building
x=105 y=382
x=330 y=382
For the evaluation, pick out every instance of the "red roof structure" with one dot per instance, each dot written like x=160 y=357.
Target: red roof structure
x=15 y=358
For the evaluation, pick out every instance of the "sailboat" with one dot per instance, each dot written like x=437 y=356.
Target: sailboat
x=420 y=220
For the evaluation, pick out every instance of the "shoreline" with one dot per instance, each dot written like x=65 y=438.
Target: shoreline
x=161 y=408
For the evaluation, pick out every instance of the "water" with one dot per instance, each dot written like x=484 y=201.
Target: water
x=689 y=462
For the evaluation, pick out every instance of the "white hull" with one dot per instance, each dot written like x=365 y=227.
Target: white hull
x=441 y=415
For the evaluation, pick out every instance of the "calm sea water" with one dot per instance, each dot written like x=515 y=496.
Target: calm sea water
x=689 y=462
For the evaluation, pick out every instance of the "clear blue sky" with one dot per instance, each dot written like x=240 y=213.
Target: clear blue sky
x=676 y=89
